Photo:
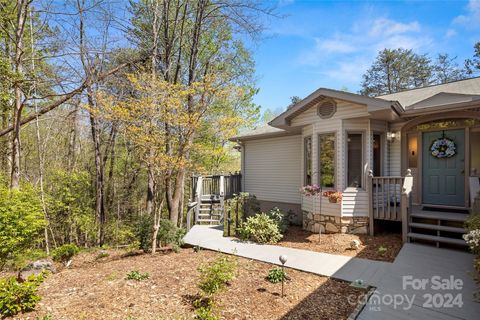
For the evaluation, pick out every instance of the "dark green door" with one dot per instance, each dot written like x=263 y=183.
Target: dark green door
x=444 y=178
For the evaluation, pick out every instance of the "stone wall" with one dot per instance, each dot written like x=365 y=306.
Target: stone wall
x=316 y=222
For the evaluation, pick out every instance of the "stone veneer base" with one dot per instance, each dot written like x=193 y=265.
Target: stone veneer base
x=317 y=222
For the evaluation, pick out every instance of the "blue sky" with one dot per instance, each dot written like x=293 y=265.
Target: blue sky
x=331 y=43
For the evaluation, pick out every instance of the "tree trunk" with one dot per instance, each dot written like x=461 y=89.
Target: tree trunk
x=22 y=8
x=99 y=178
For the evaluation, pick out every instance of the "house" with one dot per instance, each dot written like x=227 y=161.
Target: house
x=409 y=158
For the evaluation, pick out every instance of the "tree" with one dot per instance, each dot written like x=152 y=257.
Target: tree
x=191 y=42
x=473 y=65
x=396 y=70
x=445 y=69
x=21 y=222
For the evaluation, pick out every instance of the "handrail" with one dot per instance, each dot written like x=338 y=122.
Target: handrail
x=191 y=206
x=198 y=196
x=406 y=203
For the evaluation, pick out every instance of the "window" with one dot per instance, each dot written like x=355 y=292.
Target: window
x=326 y=160
x=377 y=155
x=354 y=160
x=307 y=149
x=412 y=151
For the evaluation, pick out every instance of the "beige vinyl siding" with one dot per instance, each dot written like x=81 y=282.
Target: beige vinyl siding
x=348 y=117
x=354 y=202
x=313 y=204
x=272 y=167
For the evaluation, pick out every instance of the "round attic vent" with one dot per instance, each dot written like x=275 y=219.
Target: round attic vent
x=326 y=108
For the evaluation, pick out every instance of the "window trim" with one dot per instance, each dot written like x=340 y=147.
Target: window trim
x=362 y=179
x=335 y=181
x=305 y=159
x=383 y=148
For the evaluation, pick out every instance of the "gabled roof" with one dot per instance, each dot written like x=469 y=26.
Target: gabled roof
x=372 y=103
x=448 y=96
x=264 y=131
x=444 y=99
x=410 y=97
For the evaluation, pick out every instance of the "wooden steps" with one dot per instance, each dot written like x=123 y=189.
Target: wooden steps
x=439 y=227
x=210 y=210
x=459 y=242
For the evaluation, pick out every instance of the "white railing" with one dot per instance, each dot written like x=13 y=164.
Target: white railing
x=406 y=203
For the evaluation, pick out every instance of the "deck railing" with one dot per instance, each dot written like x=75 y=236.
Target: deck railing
x=220 y=185
x=385 y=198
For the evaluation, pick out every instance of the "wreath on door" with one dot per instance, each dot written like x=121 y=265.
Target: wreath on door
x=443 y=148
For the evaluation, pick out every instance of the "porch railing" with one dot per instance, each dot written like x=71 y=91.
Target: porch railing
x=220 y=185
x=385 y=198
x=406 y=204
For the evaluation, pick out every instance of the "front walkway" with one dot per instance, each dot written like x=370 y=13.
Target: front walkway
x=394 y=297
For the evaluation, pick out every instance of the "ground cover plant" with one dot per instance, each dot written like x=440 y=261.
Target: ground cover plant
x=276 y=275
x=16 y=297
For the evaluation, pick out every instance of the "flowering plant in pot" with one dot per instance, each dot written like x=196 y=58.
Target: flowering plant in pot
x=310 y=190
x=333 y=196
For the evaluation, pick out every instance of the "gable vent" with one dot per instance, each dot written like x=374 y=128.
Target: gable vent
x=326 y=109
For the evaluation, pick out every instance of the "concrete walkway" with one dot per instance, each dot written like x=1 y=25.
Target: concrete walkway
x=394 y=296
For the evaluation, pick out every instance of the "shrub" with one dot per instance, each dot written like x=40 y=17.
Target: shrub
x=21 y=221
x=213 y=279
x=280 y=218
x=143 y=232
x=170 y=234
x=276 y=275
x=137 y=275
x=65 y=253
x=17 y=297
x=260 y=228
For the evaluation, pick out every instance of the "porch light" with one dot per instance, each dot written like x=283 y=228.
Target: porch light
x=392 y=136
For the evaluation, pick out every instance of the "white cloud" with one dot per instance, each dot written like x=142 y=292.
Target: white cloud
x=387 y=27
x=284 y=3
x=472 y=17
x=344 y=57
x=334 y=46
x=450 y=33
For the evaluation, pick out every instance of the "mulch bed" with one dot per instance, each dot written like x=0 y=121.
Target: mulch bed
x=97 y=289
x=338 y=243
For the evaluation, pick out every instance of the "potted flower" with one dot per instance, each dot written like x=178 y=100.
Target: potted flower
x=333 y=196
x=310 y=190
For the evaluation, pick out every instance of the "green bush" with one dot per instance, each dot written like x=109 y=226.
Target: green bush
x=17 y=297
x=280 y=219
x=170 y=234
x=65 y=253
x=21 y=222
x=137 y=275
x=213 y=279
x=276 y=275
x=261 y=229
x=143 y=232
